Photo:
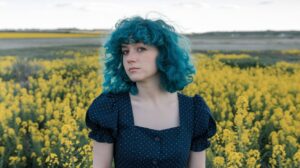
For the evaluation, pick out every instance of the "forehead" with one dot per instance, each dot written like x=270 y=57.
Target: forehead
x=133 y=44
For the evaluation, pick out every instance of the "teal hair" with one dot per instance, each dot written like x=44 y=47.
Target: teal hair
x=173 y=62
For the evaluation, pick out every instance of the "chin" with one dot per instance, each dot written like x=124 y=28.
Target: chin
x=136 y=79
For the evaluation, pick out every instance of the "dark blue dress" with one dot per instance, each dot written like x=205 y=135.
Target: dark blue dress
x=110 y=119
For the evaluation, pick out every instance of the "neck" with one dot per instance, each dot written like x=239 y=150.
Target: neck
x=151 y=91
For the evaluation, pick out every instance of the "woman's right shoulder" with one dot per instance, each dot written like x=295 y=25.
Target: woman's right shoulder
x=106 y=96
x=102 y=111
x=102 y=117
x=105 y=100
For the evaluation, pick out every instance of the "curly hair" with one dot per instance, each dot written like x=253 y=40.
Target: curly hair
x=173 y=62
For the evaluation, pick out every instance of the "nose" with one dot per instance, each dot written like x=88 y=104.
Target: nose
x=131 y=57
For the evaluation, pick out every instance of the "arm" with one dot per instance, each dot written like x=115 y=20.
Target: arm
x=102 y=155
x=197 y=159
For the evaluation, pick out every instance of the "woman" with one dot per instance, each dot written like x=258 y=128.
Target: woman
x=140 y=120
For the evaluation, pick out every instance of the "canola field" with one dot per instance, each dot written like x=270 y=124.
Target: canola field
x=43 y=103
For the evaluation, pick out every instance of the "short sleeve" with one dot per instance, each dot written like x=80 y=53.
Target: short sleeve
x=204 y=125
x=102 y=118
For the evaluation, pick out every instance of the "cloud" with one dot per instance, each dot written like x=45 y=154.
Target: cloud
x=230 y=6
x=2 y=3
x=191 y=4
x=199 y=4
x=62 y=5
x=75 y=5
x=89 y=6
x=267 y=2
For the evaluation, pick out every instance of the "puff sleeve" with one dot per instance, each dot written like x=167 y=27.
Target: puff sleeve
x=102 y=118
x=204 y=125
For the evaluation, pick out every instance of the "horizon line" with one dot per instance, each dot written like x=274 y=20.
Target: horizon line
x=108 y=29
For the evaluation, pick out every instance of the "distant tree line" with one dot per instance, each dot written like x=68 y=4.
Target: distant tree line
x=235 y=34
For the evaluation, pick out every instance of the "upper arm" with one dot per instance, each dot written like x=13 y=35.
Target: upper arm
x=102 y=154
x=204 y=128
x=102 y=120
x=197 y=159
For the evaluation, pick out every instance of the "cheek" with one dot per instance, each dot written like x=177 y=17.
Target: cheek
x=151 y=65
x=124 y=62
x=153 y=60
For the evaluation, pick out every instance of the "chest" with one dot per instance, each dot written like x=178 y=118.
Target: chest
x=158 y=117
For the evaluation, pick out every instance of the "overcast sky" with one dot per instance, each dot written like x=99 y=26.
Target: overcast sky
x=187 y=16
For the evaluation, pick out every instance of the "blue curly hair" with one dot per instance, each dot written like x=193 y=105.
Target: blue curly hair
x=173 y=62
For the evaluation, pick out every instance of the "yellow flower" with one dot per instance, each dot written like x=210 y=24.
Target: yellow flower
x=13 y=160
x=218 y=161
x=230 y=147
x=22 y=131
x=23 y=159
x=2 y=150
x=74 y=159
x=238 y=120
x=41 y=118
x=47 y=143
x=52 y=159
x=11 y=132
x=24 y=124
x=33 y=155
x=245 y=138
x=39 y=160
x=251 y=162
x=296 y=158
x=19 y=147
x=235 y=159
x=18 y=120
x=278 y=155
x=274 y=138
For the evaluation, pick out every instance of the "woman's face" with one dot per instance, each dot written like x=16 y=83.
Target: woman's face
x=142 y=57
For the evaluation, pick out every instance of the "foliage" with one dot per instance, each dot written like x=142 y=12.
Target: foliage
x=257 y=110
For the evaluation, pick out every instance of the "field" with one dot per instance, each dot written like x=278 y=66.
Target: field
x=45 y=91
x=31 y=35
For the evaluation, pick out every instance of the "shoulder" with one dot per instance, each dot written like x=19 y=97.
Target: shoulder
x=102 y=117
x=205 y=125
x=105 y=99
x=196 y=100
x=195 y=104
x=201 y=109
x=204 y=119
x=103 y=110
x=107 y=96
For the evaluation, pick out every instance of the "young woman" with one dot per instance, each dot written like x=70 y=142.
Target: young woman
x=141 y=119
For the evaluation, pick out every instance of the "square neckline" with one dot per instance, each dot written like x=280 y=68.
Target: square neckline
x=151 y=129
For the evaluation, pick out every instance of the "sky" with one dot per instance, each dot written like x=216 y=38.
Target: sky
x=187 y=16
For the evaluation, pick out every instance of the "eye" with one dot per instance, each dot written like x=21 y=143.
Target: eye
x=124 y=52
x=141 y=49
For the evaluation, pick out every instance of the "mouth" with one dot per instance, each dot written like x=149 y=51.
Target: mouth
x=133 y=69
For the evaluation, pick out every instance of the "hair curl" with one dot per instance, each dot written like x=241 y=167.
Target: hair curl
x=173 y=62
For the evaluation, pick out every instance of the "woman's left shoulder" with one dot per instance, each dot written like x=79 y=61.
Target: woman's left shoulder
x=205 y=125
x=203 y=115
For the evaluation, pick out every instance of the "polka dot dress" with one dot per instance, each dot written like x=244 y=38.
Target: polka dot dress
x=110 y=119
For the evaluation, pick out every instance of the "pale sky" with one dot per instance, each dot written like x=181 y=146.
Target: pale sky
x=186 y=16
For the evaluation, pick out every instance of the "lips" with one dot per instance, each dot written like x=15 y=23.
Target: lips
x=133 y=68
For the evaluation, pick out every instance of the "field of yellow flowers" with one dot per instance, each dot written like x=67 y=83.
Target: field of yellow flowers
x=43 y=104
